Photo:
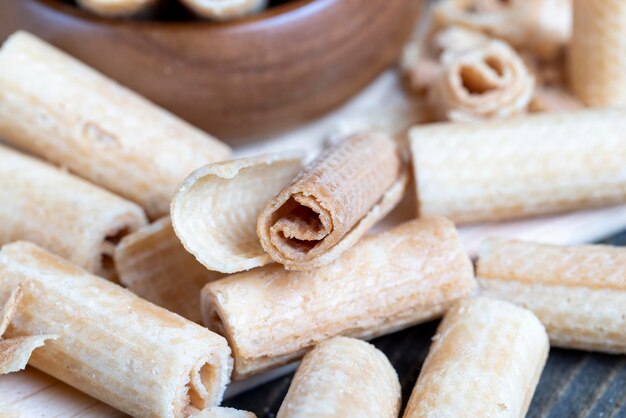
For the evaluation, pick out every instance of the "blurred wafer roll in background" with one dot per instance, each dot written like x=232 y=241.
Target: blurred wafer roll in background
x=224 y=9
x=333 y=201
x=57 y=108
x=578 y=293
x=523 y=166
x=153 y=264
x=343 y=377
x=112 y=345
x=387 y=282
x=63 y=213
x=221 y=412
x=116 y=8
x=485 y=361
x=597 y=53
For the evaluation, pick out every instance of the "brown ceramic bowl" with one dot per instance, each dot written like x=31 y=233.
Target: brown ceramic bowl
x=238 y=80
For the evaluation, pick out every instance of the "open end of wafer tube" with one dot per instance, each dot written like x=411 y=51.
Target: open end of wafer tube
x=475 y=81
x=106 y=268
x=199 y=387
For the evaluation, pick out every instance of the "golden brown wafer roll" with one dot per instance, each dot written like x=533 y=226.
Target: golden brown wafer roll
x=55 y=107
x=485 y=361
x=62 y=213
x=333 y=202
x=578 y=293
x=225 y=9
x=115 y=8
x=221 y=412
x=113 y=345
x=538 y=164
x=597 y=53
x=484 y=81
x=153 y=264
x=214 y=211
x=343 y=377
x=388 y=281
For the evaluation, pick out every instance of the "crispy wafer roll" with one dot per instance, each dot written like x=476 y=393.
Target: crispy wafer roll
x=57 y=108
x=62 y=213
x=538 y=164
x=485 y=361
x=343 y=377
x=153 y=264
x=554 y=99
x=388 y=281
x=333 y=202
x=485 y=81
x=112 y=345
x=225 y=9
x=578 y=293
x=221 y=412
x=597 y=53
x=116 y=8
x=215 y=209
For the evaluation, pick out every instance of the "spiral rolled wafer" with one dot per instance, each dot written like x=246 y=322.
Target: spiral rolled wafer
x=224 y=9
x=597 y=53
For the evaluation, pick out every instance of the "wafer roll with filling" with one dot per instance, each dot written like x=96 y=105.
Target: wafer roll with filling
x=538 y=164
x=485 y=361
x=112 y=345
x=63 y=213
x=388 y=281
x=115 y=8
x=578 y=293
x=153 y=264
x=597 y=53
x=488 y=80
x=214 y=211
x=221 y=412
x=343 y=377
x=57 y=108
x=225 y=9
x=333 y=202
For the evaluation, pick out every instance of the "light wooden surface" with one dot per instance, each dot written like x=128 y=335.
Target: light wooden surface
x=384 y=106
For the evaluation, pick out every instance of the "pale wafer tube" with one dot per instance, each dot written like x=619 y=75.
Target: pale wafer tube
x=343 y=377
x=214 y=211
x=388 y=281
x=56 y=107
x=225 y=9
x=221 y=412
x=112 y=345
x=538 y=164
x=115 y=8
x=597 y=53
x=333 y=202
x=486 y=81
x=63 y=213
x=153 y=264
x=485 y=361
x=578 y=293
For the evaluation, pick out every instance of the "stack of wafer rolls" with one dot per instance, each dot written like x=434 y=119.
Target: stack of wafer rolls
x=388 y=281
x=224 y=9
x=485 y=361
x=153 y=264
x=112 y=345
x=116 y=8
x=55 y=107
x=343 y=377
x=538 y=164
x=63 y=213
x=578 y=293
x=597 y=53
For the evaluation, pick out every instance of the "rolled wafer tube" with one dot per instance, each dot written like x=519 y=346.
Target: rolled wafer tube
x=214 y=211
x=153 y=264
x=116 y=8
x=597 y=53
x=56 y=107
x=221 y=412
x=388 y=281
x=488 y=80
x=485 y=361
x=225 y=9
x=113 y=345
x=63 y=213
x=578 y=293
x=343 y=377
x=538 y=164
x=333 y=202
